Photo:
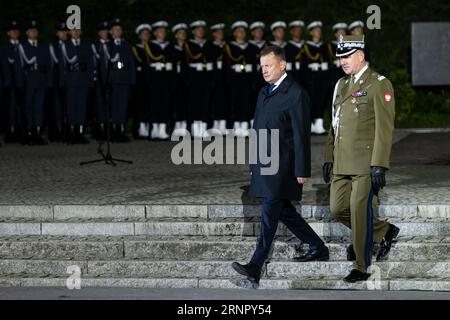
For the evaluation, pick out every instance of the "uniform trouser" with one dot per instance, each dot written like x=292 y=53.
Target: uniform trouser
x=316 y=86
x=161 y=86
x=275 y=210
x=219 y=101
x=100 y=102
x=57 y=107
x=352 y=202
x=76 y=102
x=119 y=103
x=242 y=101
x=180 y=100
x=142 y=93
x=199 y=94
x=12 y=96
x=34 y=107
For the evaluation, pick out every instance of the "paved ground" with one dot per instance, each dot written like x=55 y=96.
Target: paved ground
x=212 y=294
x=51 y=174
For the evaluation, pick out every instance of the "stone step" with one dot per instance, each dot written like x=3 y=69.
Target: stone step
x=65 y=212
x=202 y=227
x=218 y=269
x=436 y=284
x=198 y=248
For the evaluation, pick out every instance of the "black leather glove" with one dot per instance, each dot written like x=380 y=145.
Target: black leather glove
x=327 y=170
x=378 y=179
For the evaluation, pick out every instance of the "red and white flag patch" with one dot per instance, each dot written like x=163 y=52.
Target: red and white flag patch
x=387 y=97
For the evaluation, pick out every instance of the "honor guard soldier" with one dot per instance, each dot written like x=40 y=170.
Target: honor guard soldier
x=357 y=154
x=5 y=81
x=122 y=76
x=241 y=63
x=356 y=28
x=336 y=73
x=35 y=63
x=12 y=84
x=294 y=49
x=143 y=87
x=78 y=69
x=219 y=96
x=200 y=59
x=316 y=66
x=57 y=124
x=162 y=77
x=180 y=96
x=257 y=31
x=102 y=51
x=278 y=29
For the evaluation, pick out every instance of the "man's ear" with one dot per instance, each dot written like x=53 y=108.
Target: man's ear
x=283 y=64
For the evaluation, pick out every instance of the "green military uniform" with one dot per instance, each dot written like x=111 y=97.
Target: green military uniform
x=361 y=137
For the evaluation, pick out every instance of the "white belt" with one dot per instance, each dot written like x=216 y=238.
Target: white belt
x=242 y=68
x=316 y=66
x=219 y=65
x=202 y=66
x=337 y=63
x=159 y=66
x=289 y=66
x=178 y=68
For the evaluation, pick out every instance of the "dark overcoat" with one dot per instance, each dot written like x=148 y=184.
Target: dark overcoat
x=287 y=109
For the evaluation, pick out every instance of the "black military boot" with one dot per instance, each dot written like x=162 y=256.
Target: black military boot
x=37 y=137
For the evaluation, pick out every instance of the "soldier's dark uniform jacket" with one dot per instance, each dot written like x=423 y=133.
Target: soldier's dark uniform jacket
x=294 y=54
x=242 y=66
x=219 y=96
x=200 y=60
x=78 y=74
x=180 y=92
x=35 y=65
x=315 y=66
x=121 y=77
x=162 y=78
x=142 y=88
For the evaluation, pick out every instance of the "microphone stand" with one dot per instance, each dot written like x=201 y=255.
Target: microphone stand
x=107 y=157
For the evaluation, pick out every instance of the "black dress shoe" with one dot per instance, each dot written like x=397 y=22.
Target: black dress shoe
x=351 y=255
x=321 y=254
x=251 y=271
x=356 y=275
x=386 y=243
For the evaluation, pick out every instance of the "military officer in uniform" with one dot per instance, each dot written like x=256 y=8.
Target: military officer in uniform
x=162 y=76
x=219 y=96
x=180 y=98
x=78 y=69
x=357 y=154
x=35 y=65
x=122 y=76
x=278 y=29
x=12 y=84
x=315 y=74
x=356 y=28
x=241 y=66
x=57 y=126
x=294 y=49
x=200 y=59
x=142 y=88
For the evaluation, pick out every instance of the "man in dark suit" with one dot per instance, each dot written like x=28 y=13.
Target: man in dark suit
x=283 y=105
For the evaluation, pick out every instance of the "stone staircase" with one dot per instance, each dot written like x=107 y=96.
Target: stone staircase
x=192 y=246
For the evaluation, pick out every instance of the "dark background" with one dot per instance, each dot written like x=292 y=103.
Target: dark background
x=390 y=46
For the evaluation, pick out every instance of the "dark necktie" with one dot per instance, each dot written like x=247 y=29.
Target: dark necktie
x=271 y=87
